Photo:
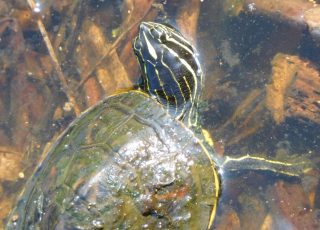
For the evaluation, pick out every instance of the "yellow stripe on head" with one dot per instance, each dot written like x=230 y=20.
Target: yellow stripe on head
x=170 y=69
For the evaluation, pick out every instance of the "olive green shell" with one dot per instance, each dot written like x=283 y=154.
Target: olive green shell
x=125 y=163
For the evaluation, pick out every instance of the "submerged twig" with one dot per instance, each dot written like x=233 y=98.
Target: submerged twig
x=112 y=48
x=55 y=62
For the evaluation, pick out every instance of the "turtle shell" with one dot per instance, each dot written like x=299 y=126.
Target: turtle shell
x=127 y=164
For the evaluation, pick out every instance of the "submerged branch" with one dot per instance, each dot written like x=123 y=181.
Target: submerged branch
x=55 y=62
x=112 y=48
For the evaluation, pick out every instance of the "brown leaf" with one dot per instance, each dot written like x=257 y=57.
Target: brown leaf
x=290 y=9
x=289 y=204
x=293 y=90
x=229 y=221
x=10 y=165
x=187 y=19
x=5 y=207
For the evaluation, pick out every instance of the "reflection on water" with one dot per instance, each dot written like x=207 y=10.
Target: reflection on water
x=261 y=95
x=40 y=6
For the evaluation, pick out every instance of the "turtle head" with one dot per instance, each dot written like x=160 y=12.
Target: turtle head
x=170 y=69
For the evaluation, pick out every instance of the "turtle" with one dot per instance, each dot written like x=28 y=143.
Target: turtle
x=137 y=159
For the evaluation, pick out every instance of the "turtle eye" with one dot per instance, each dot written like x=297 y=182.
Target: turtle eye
x=163 y=38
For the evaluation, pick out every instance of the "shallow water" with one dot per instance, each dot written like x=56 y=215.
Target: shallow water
x=261 y=95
